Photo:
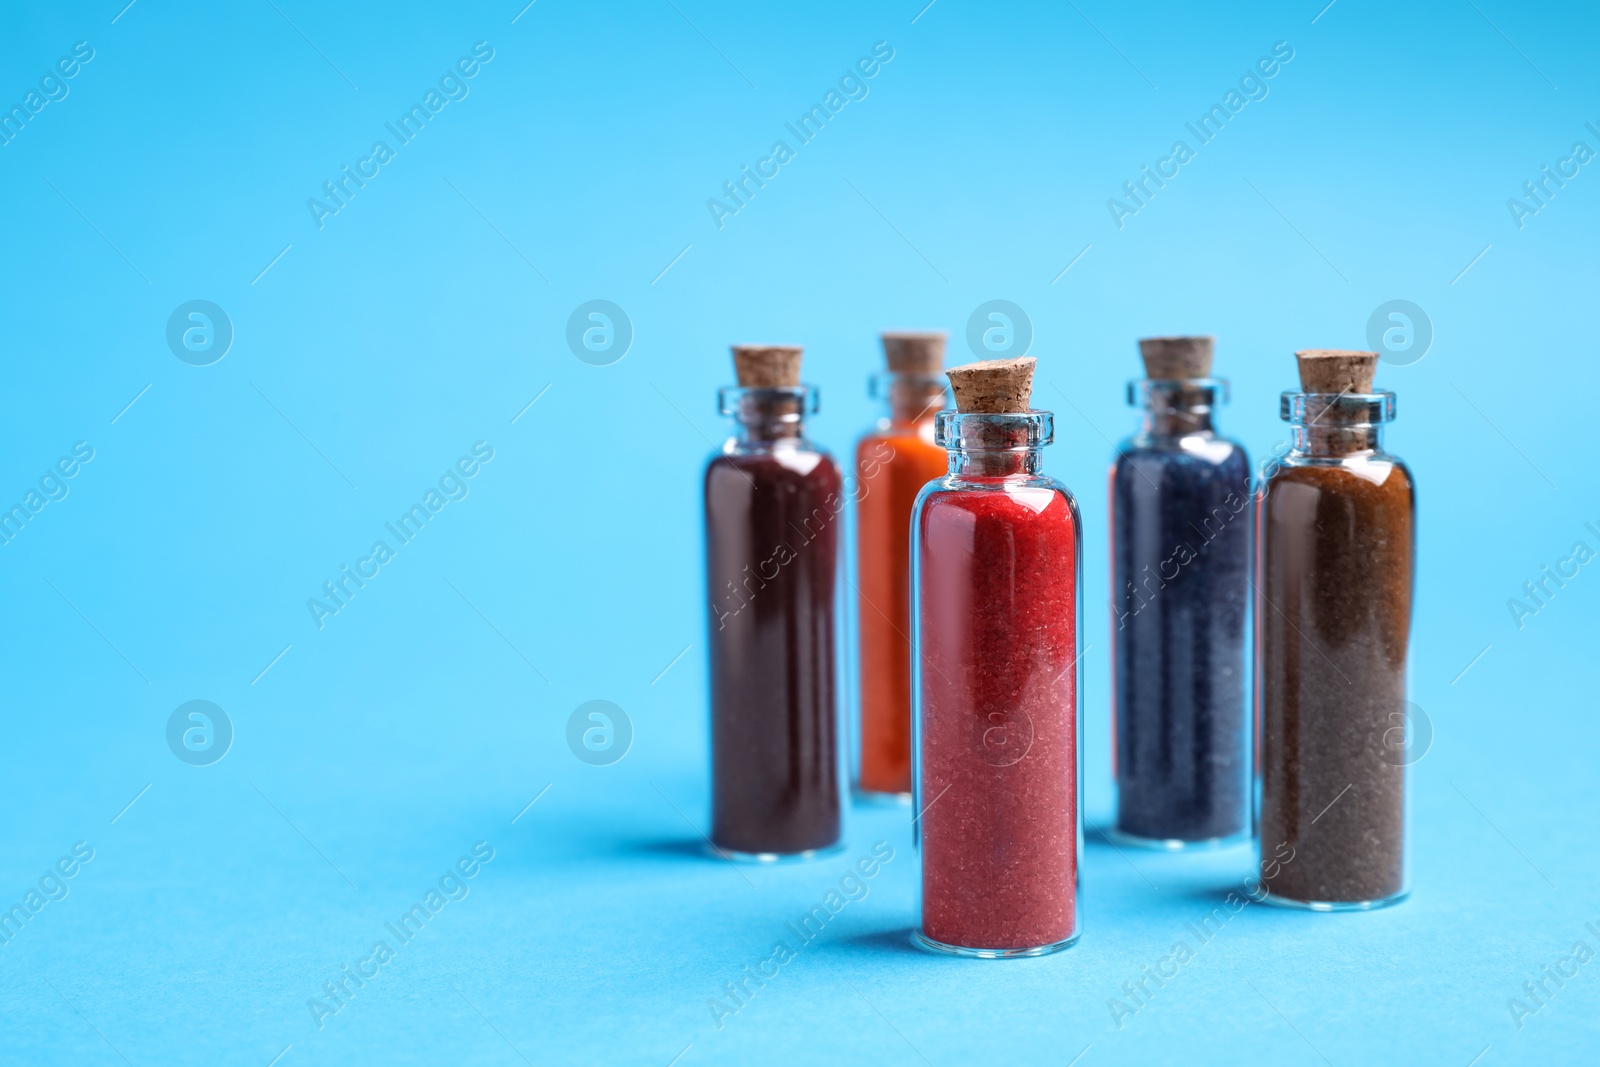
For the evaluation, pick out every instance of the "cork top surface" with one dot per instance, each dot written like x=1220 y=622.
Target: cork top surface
x=767 y=366
x=1176 y=357
x=1336 y=370
x=913 y=351
x=993 y=385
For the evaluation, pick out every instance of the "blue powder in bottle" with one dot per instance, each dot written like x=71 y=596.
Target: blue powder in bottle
x=1181 y=531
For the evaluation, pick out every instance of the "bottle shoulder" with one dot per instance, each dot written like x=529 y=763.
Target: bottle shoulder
x=1015 y=496
x=1209 y=449
x=1365 y=471
x=887 y=442
x=801 y=460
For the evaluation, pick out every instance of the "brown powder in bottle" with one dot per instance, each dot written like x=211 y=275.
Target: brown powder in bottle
x=1333 y=622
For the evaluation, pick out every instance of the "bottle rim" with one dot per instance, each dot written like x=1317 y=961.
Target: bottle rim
x=1158 y=394
x=1342 y=409
x=731 y=398
x=878 y=384
x=984 y=431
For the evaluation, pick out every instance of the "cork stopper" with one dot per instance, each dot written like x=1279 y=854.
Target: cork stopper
x=1336 y=370
x=992 y=386
x=767 y=366
x=914 y=352
x=1176 y=357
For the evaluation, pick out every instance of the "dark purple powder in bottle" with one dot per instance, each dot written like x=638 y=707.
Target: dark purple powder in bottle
x=773 y=520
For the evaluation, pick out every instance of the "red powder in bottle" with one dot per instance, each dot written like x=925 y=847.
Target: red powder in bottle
x=997 y=608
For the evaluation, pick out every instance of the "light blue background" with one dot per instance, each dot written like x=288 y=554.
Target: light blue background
x=427 y=314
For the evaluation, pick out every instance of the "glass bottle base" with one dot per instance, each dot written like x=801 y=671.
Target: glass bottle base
x=1177 y=844
x=770 y=858
x=1278 y=900
x=928 y=944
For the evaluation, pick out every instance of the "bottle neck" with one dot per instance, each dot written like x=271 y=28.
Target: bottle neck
x=1178 y=407
x=767 y=417
x=1000 y=463
x=1333 y=439
x=912 y=400
x=986 y=445
x=1343 y=424
x=1178 y=423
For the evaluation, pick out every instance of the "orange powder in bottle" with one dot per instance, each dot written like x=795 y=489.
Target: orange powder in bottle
x=893 y=463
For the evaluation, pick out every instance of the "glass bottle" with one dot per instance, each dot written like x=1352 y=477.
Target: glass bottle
x=996 y=575
x=1180 y=556
x=893 y=462
x=772 y=522
x=1334 y=578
